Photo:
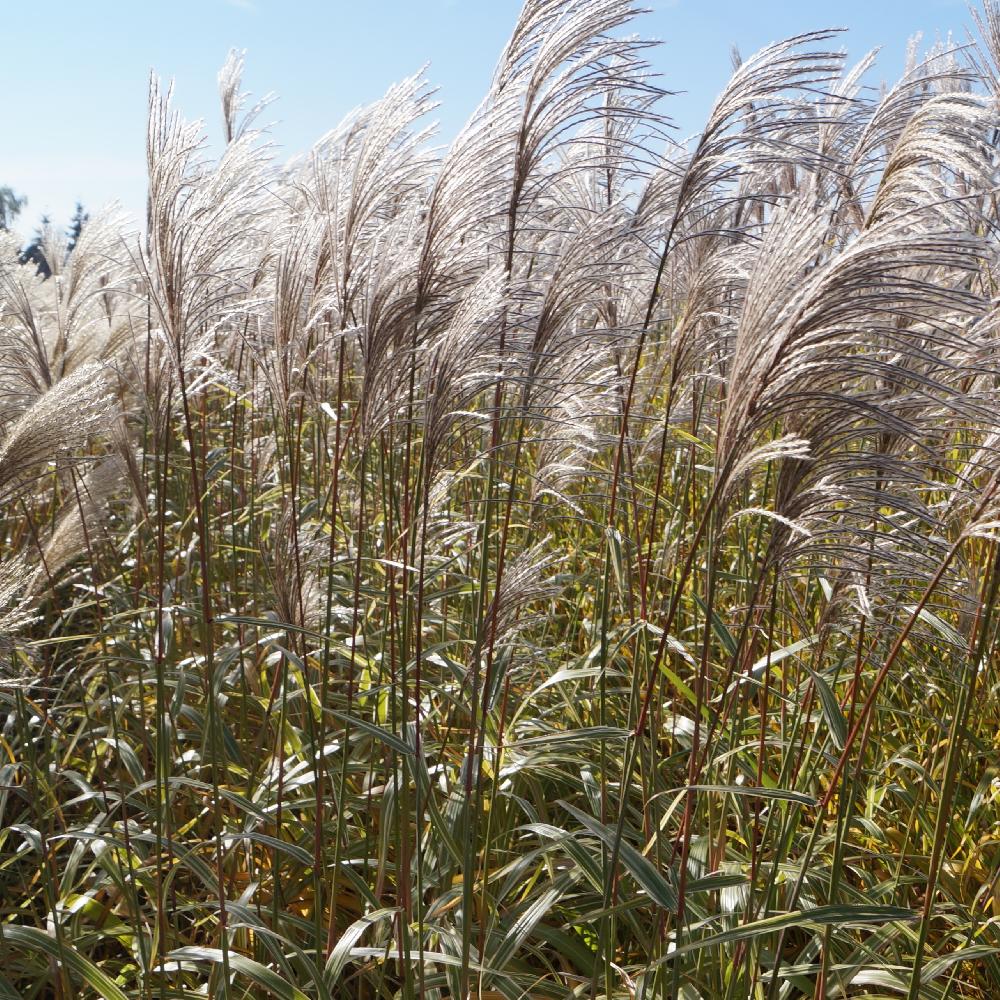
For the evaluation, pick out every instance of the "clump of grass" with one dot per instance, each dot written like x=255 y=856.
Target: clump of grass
x=561 y=565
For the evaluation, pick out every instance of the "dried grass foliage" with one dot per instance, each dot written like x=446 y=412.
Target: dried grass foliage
x=562 y=563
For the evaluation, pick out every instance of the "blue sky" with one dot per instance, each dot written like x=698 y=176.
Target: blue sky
x=74 y=72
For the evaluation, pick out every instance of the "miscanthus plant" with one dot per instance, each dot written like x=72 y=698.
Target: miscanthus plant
x=564 y=564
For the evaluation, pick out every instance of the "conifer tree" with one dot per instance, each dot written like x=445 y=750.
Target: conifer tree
x=10 y=206
x=79 y=220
